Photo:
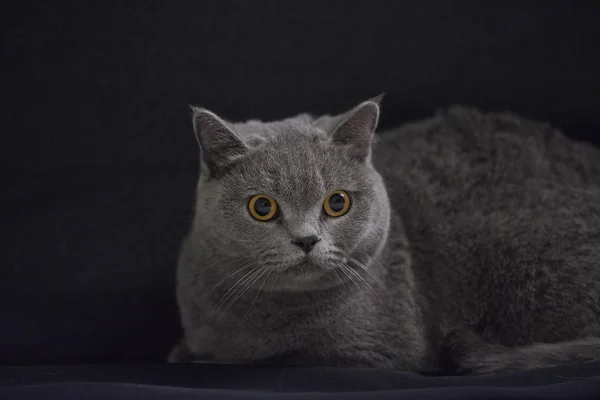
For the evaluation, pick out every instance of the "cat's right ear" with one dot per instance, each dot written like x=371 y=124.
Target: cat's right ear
x=219 y=144
x=356 y=130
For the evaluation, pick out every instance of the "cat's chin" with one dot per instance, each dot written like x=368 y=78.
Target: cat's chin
x=305 y=276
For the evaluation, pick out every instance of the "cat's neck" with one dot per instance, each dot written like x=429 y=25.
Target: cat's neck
x=263 y=300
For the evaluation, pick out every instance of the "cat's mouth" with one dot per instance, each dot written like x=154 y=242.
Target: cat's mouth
x=308 y=274
x=308 y=265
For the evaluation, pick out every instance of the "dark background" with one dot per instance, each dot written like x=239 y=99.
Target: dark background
x=97 y=157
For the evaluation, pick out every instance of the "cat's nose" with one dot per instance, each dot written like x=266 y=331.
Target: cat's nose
x=306 y=243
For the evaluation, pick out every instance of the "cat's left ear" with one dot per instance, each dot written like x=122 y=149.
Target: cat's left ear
x=357 y=129
x=219 y=144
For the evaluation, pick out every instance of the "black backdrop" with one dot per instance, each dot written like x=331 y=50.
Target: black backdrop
x=97 y=157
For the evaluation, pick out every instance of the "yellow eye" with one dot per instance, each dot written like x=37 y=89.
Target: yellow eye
x=262 y=207
x=337 y=203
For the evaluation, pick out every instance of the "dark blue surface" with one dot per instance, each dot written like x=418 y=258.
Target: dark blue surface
x=586 y=389
x=195 y=381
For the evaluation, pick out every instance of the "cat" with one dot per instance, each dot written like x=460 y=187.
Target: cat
x=466 y=243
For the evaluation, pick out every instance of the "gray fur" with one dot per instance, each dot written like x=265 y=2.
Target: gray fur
x=472 y=244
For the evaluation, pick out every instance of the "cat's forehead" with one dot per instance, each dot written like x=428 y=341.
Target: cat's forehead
x=298 y=163
x=290 y=159
x=277 y=141
x=280 y=133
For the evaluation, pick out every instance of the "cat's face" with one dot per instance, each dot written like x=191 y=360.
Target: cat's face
x=293 y=205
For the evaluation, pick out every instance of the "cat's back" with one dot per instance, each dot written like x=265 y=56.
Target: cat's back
x=465 y=159
x=494 y=201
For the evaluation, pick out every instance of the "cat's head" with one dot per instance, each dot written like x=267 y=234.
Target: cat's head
x=297 y=199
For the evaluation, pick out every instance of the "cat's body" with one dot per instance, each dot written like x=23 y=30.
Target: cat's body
x=472 y=244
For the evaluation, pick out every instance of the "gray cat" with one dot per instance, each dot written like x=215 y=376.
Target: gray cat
x=466 y=243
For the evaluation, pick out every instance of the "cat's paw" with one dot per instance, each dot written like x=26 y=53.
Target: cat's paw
x=464 y=352
x=180 y=353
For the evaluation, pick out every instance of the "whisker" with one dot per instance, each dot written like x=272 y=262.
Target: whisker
x=257 y=292
x=220 y=263
x=341 y=281
x=359 y=276
x=346 y=270
x=355 y=273
x=381 y=285
x=365 y=268
x=233 y=289
x=244 y=267
x=246 y=286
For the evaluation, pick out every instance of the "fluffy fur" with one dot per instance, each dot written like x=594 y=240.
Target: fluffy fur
x=472 y=244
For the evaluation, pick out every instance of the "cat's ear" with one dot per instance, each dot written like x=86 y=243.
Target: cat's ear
x=357 y=129
x=219 y=144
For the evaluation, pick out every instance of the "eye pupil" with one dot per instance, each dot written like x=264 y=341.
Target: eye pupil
x=262 y=206
x=337 y=202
